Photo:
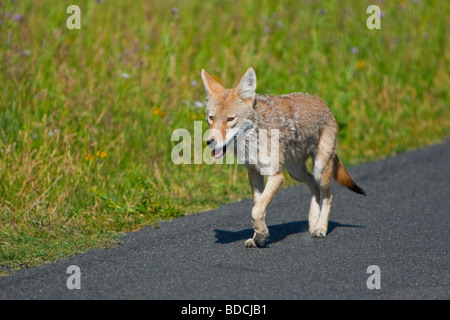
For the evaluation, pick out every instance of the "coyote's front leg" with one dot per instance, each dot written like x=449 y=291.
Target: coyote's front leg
x=261 y=202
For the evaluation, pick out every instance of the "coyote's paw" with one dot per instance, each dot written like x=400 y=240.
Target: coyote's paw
x=249 y=243
x=258 y=240
x=318 y=233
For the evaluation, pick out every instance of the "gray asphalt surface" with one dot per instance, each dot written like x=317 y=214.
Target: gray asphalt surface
x=402 y=226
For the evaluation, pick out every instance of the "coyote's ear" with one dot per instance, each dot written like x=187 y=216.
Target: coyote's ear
x=246 y=88
x=212 y=87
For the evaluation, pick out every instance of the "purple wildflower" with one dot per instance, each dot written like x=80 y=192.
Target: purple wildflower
x=198 y=104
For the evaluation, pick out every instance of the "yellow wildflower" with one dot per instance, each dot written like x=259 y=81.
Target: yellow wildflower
x=360 y=65
x=100 y=154
x=158 y=112
x=197 y=116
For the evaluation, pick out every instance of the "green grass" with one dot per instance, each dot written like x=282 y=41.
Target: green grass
x=86 y=115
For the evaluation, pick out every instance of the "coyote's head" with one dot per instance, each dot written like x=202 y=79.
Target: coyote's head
x=228 y=111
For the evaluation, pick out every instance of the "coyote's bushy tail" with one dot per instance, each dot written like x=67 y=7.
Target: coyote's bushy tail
x=344 y=178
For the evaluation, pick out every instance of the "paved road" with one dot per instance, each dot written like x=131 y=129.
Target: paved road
x=402 y=227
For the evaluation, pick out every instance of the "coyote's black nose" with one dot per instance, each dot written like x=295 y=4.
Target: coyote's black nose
x=208 y=142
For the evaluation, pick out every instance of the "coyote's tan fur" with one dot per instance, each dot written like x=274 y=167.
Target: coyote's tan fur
x=306 y=128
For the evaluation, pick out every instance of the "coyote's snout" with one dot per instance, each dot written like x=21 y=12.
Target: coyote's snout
x=305 y=127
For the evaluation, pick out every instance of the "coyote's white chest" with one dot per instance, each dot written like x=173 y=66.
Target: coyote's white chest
x=260 y=149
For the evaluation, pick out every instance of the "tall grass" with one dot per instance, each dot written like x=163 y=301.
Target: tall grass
x=86 y=115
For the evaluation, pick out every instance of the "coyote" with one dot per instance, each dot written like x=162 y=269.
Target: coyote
x=306 y=128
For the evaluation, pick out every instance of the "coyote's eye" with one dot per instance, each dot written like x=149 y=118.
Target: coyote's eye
x=211 y=118
x=230 y=119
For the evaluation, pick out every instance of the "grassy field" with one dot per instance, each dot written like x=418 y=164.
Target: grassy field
x=86 y=115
